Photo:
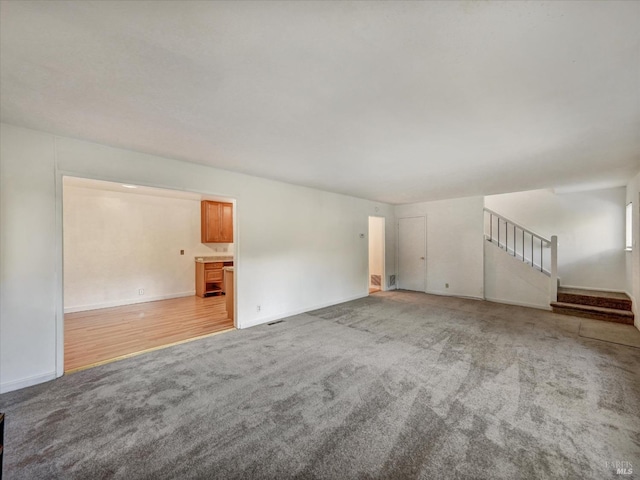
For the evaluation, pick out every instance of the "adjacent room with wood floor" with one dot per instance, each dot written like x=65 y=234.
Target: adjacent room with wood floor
x=139 y=271
x=319 y=240
x=98 y=336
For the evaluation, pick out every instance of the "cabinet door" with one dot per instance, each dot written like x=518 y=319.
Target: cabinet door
x=210 y=222
x=226 y=223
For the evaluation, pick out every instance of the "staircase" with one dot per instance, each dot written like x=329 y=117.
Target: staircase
x=520 y=243
x=598 y=305
x=541 y=254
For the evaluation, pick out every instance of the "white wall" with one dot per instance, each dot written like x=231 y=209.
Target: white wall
x=28 y=252
x=116 y=243
x=297 y=248
x=509 y=280
x=454 y=244
x=633 y=257
x=376 y=248
x=589 y=226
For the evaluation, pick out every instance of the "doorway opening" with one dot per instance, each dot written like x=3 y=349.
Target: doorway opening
x=376 y=254
x=131 y=260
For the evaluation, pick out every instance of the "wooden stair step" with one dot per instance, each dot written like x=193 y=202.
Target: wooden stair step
x=612 y=300
x=593 y=312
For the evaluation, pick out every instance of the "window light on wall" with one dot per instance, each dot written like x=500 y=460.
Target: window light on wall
x=629 y=232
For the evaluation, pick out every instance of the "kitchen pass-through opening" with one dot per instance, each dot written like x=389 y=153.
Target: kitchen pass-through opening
x=144 y=268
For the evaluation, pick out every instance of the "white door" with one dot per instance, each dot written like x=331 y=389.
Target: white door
x=412 y=251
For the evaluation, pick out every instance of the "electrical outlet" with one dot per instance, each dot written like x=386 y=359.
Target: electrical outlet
x=181 y=252
x=258 y=308
x=141 y=291
x=446 y=285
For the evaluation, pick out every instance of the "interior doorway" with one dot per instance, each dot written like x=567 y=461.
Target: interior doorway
x=376 y=254
x=131 y=260
x=412 y=253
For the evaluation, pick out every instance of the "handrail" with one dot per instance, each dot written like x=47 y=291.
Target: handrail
x=520 y=227
x=521 y=232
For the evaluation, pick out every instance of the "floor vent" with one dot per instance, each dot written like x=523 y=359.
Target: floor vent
x=376 y=280
x=275 y=323
x=392 y=280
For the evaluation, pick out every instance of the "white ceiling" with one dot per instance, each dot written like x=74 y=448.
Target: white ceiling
x=391 y=101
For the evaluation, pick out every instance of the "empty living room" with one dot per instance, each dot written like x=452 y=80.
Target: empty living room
x=319 y=239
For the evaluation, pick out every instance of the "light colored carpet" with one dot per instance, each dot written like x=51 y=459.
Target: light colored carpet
x=397 y=385
x=610 y=332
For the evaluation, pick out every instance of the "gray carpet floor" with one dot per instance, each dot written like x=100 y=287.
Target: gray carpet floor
x=399 y=385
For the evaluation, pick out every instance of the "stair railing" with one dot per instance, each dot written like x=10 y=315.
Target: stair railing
x=525 y=245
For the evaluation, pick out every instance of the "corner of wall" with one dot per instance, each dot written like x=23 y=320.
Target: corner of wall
x=27 y=382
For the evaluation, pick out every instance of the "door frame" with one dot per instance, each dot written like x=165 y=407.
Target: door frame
x=398 y=282
x=383 y=282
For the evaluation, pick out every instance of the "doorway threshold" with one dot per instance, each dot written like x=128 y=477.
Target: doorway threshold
x=147 y=350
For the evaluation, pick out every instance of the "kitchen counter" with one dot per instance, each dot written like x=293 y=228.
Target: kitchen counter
x=226 y=258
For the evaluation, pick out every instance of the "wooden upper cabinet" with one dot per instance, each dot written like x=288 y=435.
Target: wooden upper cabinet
x=226 y=223
x=216 y=222
x=210 y=221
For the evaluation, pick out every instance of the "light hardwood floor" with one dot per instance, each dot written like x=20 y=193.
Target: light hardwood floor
x=99 y=335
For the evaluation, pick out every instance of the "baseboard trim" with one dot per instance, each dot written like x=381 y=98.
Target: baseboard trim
x=518 y=304
x=457 y=295
x=291 y=313
x=26 y=382
x=122 y=303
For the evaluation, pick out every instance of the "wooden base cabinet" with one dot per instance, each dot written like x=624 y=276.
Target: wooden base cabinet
x=210 y=277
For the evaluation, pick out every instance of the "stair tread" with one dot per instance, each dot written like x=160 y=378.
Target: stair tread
x=594 y=293
x=592 y=308
x=602 y=299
